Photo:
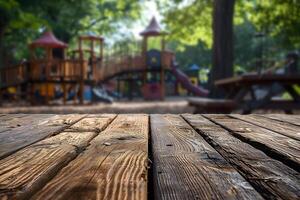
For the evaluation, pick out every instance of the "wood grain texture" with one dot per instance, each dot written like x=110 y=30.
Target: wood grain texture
x=187 y=167
x=283 y=128
x=92 y=122
x=26 y=171
x=271 y=178
x=273 y=144
x=20 y=137
x=8 y=122
x=292 y=119
x=114 y=166
x=6 y=117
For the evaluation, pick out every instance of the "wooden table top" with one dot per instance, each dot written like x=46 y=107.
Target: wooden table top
x=138 y=156
x=251 y=79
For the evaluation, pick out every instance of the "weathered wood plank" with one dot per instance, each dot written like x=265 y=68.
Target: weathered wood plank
x=292 y=119
x=6 y=118
x=26 y=171
x=114 y=166
x=271 y=178
x=13 y=140
x=283 y=128
x=13 y=121
x=11 y=116
x=91 y=122
x=187 y=167
x=273 y=144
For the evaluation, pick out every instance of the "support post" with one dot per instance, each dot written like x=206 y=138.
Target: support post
x=49 y=55
x=31 y=93
x=65 y=93
x=162 y=72
x=162 y=83
x=64 y=86
x=101 y=49
x=144 y=52
x=81 y=81
x=1 y=97
x=93 y=58
x=75 y=94
x=118 y=87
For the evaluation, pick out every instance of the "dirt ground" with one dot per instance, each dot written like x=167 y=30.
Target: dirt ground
x=175 y=106
x=172 y=105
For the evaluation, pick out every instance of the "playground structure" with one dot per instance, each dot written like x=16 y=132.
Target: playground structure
x=52 y=70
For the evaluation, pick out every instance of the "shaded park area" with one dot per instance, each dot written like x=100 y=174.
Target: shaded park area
x=64 y=53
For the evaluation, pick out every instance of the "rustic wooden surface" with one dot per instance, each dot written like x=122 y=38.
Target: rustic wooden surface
x=274 y=144
x=41 y=127
x=114 y=166
x=8 y=122
x=137 y=156
x=292 y=119
x=283 y=128
x=188 y=167
x=33 y=166
x=275 y=179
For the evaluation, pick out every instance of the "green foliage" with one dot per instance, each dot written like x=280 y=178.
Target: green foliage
x=190 y=26
x=15 y=24
x=198 y=54
x=154 y=43
x=277 y=18
x=23 y=20
x=189 y=22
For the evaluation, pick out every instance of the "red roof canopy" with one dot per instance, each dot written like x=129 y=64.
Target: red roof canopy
x=48 y=40
x=153 y=29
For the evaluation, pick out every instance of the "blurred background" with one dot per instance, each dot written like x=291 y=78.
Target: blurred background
x=211 y=40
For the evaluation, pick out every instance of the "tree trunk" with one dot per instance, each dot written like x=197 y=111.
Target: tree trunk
x=222 y=66
x=1 y=47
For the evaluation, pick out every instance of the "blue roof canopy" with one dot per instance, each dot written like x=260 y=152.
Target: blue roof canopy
x=194 y=67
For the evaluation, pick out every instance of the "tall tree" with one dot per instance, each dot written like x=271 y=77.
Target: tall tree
x=222 y=58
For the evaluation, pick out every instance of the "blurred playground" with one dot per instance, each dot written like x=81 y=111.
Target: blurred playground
x=86 y=76
x=88 y=69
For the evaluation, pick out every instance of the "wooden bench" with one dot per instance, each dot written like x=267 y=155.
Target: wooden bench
x=242 y=89
x=206 y=105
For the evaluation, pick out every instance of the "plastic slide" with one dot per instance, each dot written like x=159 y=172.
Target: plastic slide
x=185 y=82
x=101 y=95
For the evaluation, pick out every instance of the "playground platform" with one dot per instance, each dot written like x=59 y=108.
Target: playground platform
x=140 y=156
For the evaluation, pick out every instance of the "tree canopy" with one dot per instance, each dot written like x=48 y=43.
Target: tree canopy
x=190 y=21
x=23 y=20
